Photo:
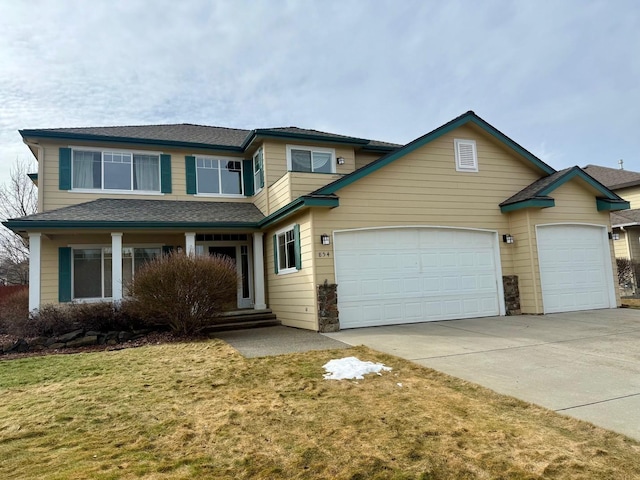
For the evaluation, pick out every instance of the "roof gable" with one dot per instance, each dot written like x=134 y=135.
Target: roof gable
x=467 y=118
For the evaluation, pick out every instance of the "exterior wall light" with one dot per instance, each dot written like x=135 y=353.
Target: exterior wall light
x=614 y=236
x=325 y=239
x=340 y=160
x=508 y=238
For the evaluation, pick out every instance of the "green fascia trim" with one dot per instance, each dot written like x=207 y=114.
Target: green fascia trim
x=606 y=204
x=301 y=136
x=33 y=177
x=468 y=117
x=379 y=148
x=29 y=225
x=578 y=172
x=128 y=140
x=532 y=203
x=296 y=205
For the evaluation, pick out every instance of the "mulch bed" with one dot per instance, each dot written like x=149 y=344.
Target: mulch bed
x=153 y=338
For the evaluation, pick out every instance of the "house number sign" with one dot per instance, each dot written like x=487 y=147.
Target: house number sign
x=324 y=254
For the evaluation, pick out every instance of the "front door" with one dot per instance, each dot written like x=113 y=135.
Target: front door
x=234 y=252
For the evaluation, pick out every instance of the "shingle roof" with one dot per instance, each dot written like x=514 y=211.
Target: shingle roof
x=195 y=134
x=613 y=178
x=533 y=190
x=144 y=211
x=625 y=217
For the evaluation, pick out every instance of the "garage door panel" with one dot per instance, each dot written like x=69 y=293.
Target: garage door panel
x=573 y=268
x=431 y=274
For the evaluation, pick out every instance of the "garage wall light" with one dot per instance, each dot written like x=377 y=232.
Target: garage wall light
x=614 y=236
x=325 y=239
x=508 y=238
x=340 y=160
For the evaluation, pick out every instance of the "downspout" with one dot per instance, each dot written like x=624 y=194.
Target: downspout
x=534 y=272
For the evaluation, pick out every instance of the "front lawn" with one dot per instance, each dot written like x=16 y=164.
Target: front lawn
x=200 y=410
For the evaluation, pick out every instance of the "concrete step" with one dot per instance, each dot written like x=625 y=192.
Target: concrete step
x=237 y=321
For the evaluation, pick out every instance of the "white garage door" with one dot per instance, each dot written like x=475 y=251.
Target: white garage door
x=404 y=275
x=575 y=268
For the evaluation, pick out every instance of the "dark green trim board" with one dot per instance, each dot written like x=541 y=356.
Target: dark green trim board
x=605 y=204
x=64 y=169
x=297 y=247
x=247 y=177
x=64 y=274
x=297 y=204
x=190 y=169
x=33 y=177
x=467 y=118
x=532 y=203
x=267 y=133
x=165 y=173
x=275 y=254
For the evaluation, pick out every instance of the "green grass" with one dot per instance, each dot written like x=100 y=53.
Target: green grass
x=200 y=410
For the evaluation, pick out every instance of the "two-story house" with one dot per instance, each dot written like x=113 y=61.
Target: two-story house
x=328 y=231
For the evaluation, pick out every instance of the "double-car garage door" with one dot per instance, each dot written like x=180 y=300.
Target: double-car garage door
x=390 y=276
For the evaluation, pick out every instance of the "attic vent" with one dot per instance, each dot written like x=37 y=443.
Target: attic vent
x=466 y=156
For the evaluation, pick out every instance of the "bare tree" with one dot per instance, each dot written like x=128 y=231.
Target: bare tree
x=18 y=197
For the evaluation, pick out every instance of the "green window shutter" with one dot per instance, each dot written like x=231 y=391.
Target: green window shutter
x=165 y=173
x=64 y=171
x=297 y=246
x=167 y=249
x=275 y=253
x=190 y=166
x=247 y=172
x=64 y=274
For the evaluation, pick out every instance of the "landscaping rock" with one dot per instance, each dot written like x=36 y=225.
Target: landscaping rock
x=20 y=346
x=37 y=347
x=92 y=333
x=70 y=336
x=56 y=346
x=125 y=336
x=39 y=341
x=83 y=341
x=50 y=341
x=112 y=341
x=102 y=339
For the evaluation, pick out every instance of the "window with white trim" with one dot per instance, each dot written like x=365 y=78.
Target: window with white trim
x=91 y=269
x=466 y=155
x=219 y=176
x=287 y=249
x=311 y=159
x=258 y=171
x=115 y=170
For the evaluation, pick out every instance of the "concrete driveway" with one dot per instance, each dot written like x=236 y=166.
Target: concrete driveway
x=582 y=364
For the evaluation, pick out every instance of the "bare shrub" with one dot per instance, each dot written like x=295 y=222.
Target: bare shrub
x=626 y=270
x=184 y=292
x=14 y=310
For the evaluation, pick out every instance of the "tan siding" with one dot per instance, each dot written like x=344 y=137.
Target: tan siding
x=423 y=188
x=621 y=246
x=305 y=183
x=54 y=198
x=363 y=159
x=280 y=193
x=292 y=296
x=631 y=195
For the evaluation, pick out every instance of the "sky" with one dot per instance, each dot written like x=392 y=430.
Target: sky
x=561 y=78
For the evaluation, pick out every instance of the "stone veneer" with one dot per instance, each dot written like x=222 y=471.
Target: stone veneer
x=511 y=294
x=328 y=320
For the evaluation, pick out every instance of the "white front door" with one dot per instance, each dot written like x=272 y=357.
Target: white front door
x=390 y=276
x=575 y=268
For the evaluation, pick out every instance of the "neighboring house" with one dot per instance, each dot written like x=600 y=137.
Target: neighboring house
x=462 y=222
x=626 y=224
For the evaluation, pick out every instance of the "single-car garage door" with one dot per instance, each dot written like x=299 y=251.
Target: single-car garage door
x=389 y=276
x=575 y=268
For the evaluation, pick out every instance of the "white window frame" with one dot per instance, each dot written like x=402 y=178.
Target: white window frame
x=260 y=172
x=102 y=151
x=220 y=159
x=102 y=248
x=465 y=167
x=331 y=151
x=278 y=234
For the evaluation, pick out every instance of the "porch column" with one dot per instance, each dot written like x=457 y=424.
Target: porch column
x=258 y=272
x=190 y=243
x=35 y=242
x=116 y=266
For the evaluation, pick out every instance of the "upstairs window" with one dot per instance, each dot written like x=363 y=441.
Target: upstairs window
x=311 y=159
x=115 y=170
x=258 y=171
x=466 y=155
x=219 y=176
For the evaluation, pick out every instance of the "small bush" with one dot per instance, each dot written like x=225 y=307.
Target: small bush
x=14 y=310
x=626 y=270
x=184 y=292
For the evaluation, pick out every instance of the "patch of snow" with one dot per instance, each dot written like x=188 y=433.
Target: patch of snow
x=350 y=368
x=399 y=384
